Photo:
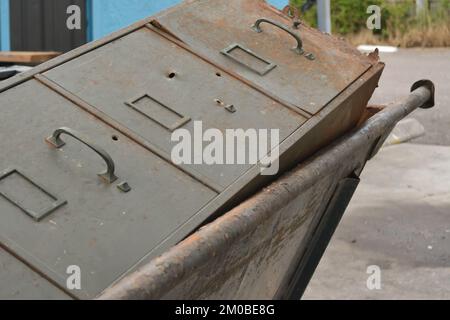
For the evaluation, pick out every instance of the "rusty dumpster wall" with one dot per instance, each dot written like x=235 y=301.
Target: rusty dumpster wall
x=254 y=266
x=253 y=250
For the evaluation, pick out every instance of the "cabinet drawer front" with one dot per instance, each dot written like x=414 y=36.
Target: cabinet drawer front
x=93 y=224
x=223 y=32
x=154 y=87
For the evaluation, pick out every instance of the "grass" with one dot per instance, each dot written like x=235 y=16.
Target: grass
x=400 y=24
x=435 y=35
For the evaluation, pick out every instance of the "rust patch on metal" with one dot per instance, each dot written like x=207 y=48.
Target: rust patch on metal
x=369 y=112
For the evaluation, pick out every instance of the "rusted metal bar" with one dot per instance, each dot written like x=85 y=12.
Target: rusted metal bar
x=158 y=278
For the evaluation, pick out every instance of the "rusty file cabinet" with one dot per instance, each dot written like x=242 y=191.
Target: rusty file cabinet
x=115 y=103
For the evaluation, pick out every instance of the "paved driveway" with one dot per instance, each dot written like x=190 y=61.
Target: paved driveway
x=399 y=219
x=402 y=70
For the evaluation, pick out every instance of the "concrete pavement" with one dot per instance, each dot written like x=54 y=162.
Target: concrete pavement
x=402 y=70
x=399 y=219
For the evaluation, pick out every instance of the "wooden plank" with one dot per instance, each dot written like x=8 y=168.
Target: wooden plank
x=27 y=57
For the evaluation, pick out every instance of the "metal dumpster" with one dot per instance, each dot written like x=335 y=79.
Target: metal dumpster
x=272 y=242
x=115 y=104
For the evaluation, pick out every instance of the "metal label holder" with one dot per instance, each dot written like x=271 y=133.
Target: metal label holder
x=227 y=52
x=37 y=216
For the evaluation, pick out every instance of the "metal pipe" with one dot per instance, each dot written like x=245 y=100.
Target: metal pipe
x=324 y=15
x=420 y=6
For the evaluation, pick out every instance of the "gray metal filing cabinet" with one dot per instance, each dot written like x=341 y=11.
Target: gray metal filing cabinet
x=114 y=105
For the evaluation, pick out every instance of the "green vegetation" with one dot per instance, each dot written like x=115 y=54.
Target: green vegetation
x=400 y=24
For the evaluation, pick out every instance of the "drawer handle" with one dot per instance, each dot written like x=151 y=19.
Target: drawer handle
x=257 y=27
x=299 y=49
x=55 y=141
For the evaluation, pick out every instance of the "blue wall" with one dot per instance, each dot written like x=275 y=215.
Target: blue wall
x=280 y=4
x=4 y=25
x=106 y=16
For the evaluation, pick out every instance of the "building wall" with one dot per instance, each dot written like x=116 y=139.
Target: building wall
x=106 y=16
x=110 y=15
x=4 y=25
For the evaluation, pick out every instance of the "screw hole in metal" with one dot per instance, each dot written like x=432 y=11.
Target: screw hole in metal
x=171 y=75
x=115 y=138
